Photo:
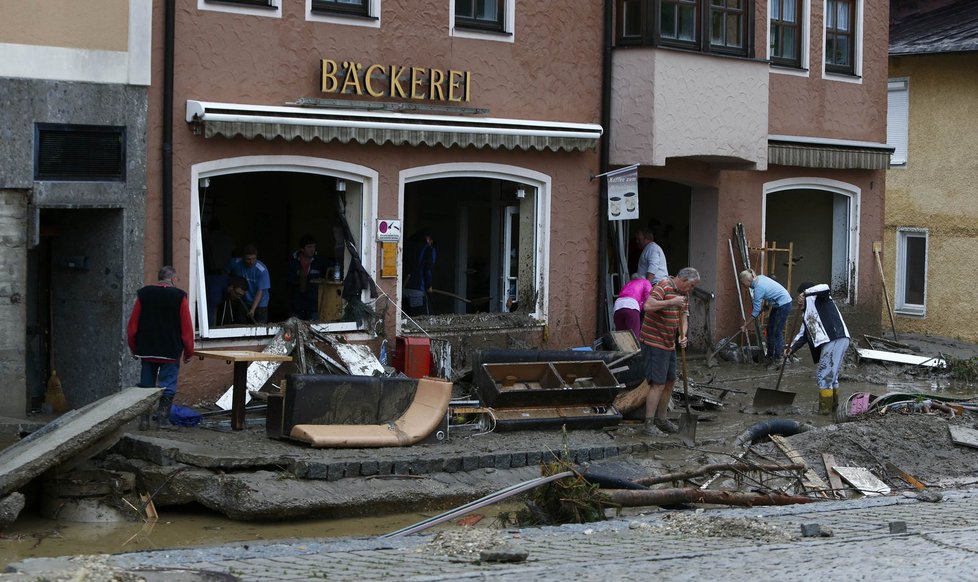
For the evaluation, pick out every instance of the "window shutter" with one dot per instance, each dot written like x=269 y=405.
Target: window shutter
x=898 y=120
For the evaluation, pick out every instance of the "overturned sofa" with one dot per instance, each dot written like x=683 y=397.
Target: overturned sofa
x=333 y=411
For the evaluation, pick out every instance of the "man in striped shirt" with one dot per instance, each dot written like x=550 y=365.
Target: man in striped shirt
x=664 y=325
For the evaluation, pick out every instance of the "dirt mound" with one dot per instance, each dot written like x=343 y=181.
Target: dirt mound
x=918 y=444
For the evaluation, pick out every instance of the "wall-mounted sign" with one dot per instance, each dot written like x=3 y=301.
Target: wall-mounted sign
x=388 y=230
x=623 y=194
x=388 y=261
x=421 y=83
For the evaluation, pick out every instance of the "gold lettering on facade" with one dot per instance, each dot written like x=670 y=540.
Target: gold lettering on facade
x=368 y=78
x=435 y=89
x=330 y=83
x=417 y=83
x=454 y=85
x=396 y=81
x=396 y=90
x=352 y=80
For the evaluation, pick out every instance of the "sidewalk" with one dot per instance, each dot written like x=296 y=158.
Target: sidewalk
x=941 y=542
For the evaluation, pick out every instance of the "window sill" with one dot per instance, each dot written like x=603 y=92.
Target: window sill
x=482 y=34
x=481 y=322
x=268 y=5
x=912 y=313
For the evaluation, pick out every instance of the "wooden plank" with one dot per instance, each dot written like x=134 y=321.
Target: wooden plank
x=834 y=479
x=964 y=436
x=905 y=476
x=809 y=478
x=897 y=358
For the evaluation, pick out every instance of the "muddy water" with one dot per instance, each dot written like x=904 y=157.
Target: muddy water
x=32 y=536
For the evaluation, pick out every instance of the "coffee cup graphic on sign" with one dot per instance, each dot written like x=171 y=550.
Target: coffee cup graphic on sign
x=631 y=201
x=615 y=205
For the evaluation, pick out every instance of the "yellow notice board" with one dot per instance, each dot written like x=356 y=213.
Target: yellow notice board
x=388 y=257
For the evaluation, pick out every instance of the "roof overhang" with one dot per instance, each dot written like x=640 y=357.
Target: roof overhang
x=381 y=127
x=837 y=154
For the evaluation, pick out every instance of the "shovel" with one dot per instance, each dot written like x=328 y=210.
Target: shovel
x=687 y=420
x=765 y=398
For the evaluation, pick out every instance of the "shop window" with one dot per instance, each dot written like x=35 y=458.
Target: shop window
x=898 y=120
x=483 y=234
x=79 y=152
x=788 y=33
x=840 y=36
x=911 y=271
x=274 y=211
x=724 y=24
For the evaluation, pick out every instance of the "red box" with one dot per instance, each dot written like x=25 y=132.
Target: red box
x=412 y=356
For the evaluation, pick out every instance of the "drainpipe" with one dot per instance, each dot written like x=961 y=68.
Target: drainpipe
x=605 y=154
x=168 y=134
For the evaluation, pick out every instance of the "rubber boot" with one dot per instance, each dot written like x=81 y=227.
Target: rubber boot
x=163 y=413
x=827 y=399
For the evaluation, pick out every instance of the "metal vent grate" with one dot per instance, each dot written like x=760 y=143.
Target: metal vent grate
x=79 y=152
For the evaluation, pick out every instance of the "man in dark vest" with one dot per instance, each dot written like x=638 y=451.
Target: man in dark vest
x=160 y=331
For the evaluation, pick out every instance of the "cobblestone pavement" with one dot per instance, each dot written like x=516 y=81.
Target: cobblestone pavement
x=941 y=542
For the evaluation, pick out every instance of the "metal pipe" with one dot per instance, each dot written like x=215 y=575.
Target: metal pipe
x=603 y=325
x=167 y=169
x=477 y=504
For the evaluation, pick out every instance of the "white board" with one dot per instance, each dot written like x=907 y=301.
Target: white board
x=898 y=358
x=863 y=480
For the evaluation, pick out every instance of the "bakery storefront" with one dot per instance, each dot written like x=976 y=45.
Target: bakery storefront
x=387 y=156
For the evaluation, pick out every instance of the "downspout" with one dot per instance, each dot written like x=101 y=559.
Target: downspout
x=605 y=153
x=168 y=134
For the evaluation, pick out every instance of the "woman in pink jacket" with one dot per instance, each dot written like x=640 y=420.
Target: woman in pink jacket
x=628 y=306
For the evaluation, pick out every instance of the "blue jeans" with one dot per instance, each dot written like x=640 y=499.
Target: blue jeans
x=775 y=331
x=162 y=374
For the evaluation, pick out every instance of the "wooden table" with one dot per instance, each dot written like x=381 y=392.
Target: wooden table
x=241 y=359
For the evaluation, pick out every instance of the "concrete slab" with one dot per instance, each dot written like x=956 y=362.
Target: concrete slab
x=70 y=435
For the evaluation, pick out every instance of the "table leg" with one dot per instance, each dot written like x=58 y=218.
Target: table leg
x=238 y=395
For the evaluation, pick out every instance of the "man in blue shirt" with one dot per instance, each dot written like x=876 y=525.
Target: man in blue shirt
x=767 y=289
x=256 y=274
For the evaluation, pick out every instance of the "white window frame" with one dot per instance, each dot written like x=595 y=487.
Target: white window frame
x=898 y=120
x=806 y=43
x=900 y=302
x=367 y=211
x=530 y=179
x=857 y=53
x=509 y=25
x=273 y=11
x=372 y=20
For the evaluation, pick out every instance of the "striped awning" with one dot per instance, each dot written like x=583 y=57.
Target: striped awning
x=824 y=153
x=385 y=127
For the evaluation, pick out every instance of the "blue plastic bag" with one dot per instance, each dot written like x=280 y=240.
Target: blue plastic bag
x=184 y=416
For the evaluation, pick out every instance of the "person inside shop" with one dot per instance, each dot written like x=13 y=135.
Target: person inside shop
x=766 y=289
x=419 y=263
x=307 y=270
x=255 y=273
x=827 y=336
x=652 y=261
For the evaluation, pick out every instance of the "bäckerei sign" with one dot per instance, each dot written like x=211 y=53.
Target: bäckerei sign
x=421 y=83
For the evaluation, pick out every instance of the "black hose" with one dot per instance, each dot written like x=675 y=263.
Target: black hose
x=608 y=481
x=779 y=426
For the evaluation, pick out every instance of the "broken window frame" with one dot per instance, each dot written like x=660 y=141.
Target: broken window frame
x=537 y=187
x=904 y=270
x=361 y=196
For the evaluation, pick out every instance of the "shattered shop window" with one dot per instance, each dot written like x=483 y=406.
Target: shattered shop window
x=470 y=247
